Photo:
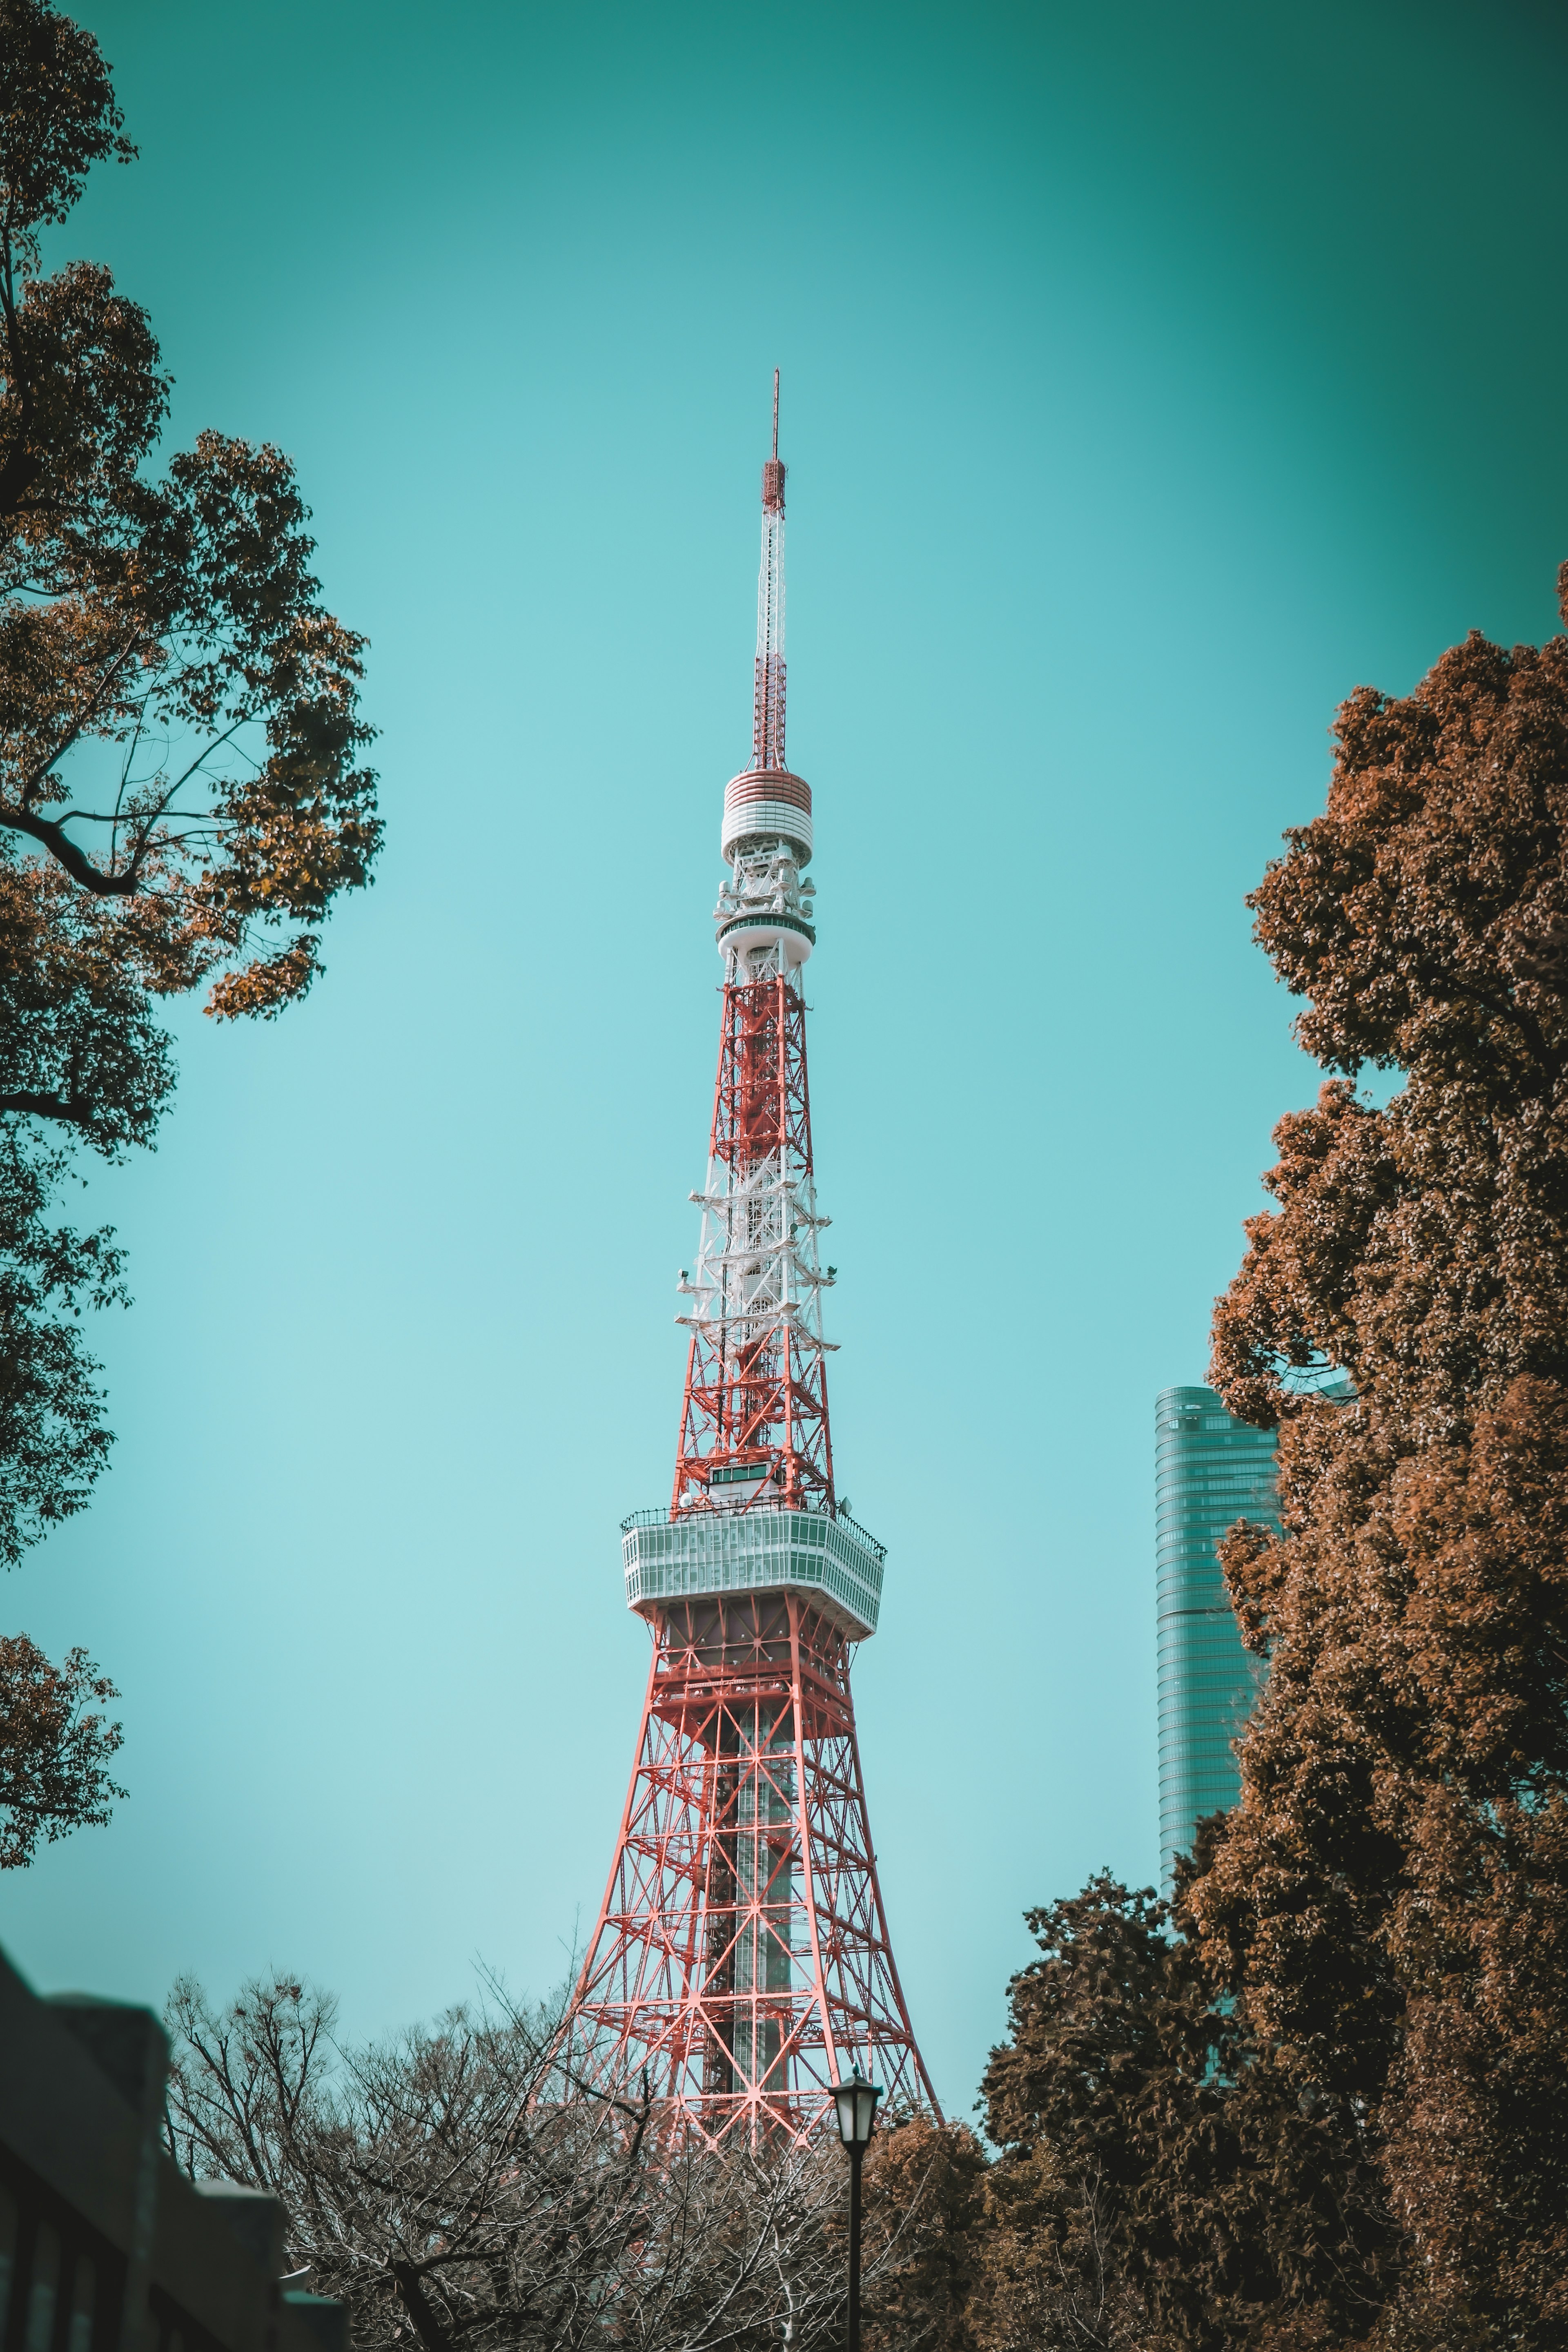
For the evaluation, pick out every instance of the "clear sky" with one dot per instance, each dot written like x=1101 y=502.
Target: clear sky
x=1152 y=376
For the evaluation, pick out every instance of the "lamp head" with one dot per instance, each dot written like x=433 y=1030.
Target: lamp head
x=855 y=2100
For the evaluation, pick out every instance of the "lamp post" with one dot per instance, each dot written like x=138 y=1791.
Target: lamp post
x=856 y=2103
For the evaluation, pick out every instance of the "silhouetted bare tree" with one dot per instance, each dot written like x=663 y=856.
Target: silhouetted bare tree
x=459 y=2189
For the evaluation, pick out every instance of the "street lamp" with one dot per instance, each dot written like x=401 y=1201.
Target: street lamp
x=856 y=2103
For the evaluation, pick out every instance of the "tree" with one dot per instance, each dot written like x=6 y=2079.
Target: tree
x=54 y=1747
x=924 y=2215
x=1165 y=2176
x=52 y=1440
x=183 y=792
x=1051 y=2272
x=180 y=740
x=1390 y=1897
x=457 y=2188
x=182 y=786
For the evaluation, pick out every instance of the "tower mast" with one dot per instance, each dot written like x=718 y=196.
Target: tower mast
x=741 y=1960
x=767 y=705
x=755 y=1416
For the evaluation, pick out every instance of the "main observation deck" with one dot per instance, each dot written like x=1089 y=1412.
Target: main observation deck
x=762 y=1548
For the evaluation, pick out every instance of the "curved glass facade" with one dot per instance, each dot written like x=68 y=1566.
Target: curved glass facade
x=1210 y=1470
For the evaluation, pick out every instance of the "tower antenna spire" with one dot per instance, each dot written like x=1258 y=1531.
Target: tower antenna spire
x=767 y=704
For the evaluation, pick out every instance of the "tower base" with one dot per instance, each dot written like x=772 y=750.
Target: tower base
x=741 y=1959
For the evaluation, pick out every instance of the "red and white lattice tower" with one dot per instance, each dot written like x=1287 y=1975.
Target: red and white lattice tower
x=741 y=1956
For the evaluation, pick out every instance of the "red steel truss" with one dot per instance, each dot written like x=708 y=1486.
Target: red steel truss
x=756 y=1382
x=741 y=1955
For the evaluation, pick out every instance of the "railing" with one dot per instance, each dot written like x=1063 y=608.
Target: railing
x=755 y=1548
x=738 y=1509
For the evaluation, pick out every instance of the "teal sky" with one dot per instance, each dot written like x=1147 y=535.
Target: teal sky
x=1151 y=378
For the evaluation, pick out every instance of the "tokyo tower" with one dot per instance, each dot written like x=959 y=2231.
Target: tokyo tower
x=741 y=1959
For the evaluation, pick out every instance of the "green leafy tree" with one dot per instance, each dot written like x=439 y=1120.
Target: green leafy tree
x=182 y=782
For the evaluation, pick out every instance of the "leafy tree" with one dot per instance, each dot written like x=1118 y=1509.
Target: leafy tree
x=923 y=2219
x=1165 y=2176
x=182 y=786
x=1390 y=1897
x=52 y=1440
x=179 y=739
x=54 y=1747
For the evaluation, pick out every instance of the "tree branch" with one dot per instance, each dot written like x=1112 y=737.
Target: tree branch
x=19 y=471
x=63 y=849
x=415 y=2302
x=73 y=1110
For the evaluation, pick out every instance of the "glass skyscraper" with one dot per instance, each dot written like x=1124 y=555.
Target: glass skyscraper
x=1210 y=1470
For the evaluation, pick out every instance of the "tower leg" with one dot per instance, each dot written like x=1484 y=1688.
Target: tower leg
x=741 y=1955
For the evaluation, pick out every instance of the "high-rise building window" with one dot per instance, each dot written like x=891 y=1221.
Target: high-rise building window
x=1210 y=1470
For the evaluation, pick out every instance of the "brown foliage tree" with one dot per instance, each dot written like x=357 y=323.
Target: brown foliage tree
x=924 y=2215
x=1165 y=2177
x=180 y=740
x=1390 y=1897
x=182 y=787
x=54 y=1747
